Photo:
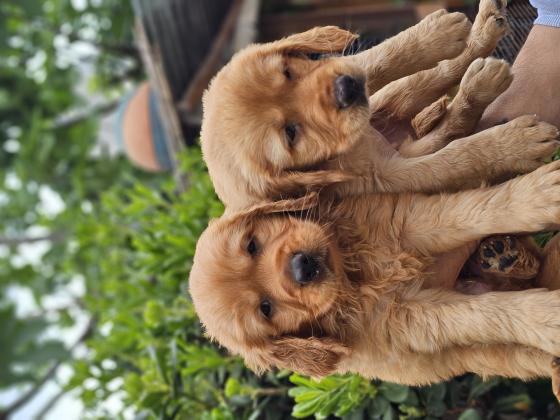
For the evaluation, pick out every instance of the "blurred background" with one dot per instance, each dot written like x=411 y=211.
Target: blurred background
x=103 y=194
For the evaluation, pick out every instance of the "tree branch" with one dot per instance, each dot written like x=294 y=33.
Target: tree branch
x=110 y=47
x=50 y=404
x=266 y=392
x=51 y=237
x=26 y=397
x=75 y=303
x=74 y=117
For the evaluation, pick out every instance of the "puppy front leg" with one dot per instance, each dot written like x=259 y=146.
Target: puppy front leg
x=492 y=155
x=432 y=320
x=418 y=369
x=437 y=37
x=406 y=97
x=483 y=82
x=438 y=223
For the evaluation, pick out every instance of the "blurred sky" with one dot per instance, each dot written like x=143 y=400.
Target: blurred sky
x=69 y=407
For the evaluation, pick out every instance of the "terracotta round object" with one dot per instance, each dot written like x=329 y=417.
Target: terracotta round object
x=140 y=130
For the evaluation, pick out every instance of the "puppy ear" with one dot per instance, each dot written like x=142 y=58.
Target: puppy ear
x=316 y=357
x=293 y=183
x=306 y=202
x=322 y=39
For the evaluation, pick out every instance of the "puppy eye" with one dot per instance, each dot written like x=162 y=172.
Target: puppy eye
x=252 y=247
x=291 y=132
x=266 y=308
x=314 y=56
x=287 y=73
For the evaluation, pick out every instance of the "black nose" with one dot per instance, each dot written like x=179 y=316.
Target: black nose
x=304 y=268
x=347 y=91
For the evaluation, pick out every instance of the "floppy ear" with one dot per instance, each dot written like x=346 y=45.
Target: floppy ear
x=306 y=202
x=316 y=357
x=322 y=39
x=292 y=183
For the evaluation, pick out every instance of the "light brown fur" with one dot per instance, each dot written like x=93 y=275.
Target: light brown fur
x=401 y=99
x=267 y=88
x=367 y=312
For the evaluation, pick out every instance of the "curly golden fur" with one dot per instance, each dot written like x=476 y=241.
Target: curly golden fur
x=364 y=309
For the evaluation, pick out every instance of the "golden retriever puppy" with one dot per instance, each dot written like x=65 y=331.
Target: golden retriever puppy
x=321 y=287
x=277 y=123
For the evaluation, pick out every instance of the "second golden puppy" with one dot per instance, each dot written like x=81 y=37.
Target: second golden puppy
x=331 y=287
x=277 y=123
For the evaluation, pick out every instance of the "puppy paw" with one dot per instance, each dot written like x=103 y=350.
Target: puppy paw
x=489 y=26
x=448 y=32
x=505 y=256
x=485 y=80
x=524 y=143
x=538 y=310
x=534 y=199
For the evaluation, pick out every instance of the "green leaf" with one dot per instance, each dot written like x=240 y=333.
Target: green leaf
x=154 y=313
x=378 y=406
x=308 y=408
x=411 y=412
x=357 y=414
x=232 y=387
x=389 y=414
x=394 y=392
x=305 y=394
x=513 y=403
x=481 y=387
x=436 y=392
x=330 y=404
x=302 y=381
x=470 y=414
x=412 y=399
x=436 y=408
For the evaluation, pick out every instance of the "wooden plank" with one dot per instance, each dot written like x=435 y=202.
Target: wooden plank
x=151 y=58
x=191 y=99
x=381 y=19
x=247 y=25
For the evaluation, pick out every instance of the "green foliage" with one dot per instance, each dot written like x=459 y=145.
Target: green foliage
x=467 y=398
x=42 y=152
x=336 y=395
x=21 y=352
x=148 y=333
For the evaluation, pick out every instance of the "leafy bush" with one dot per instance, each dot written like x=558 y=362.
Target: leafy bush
x=149 y=348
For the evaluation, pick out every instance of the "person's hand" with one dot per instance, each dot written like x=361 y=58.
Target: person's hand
x=536 y=72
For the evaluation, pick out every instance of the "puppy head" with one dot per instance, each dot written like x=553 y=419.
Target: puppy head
x=274 y=114
x=266 y=285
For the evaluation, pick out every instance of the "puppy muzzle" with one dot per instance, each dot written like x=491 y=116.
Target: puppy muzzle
x=348 y=91
x=304 y=268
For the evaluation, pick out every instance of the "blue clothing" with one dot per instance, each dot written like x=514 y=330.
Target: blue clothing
x=549 y=12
